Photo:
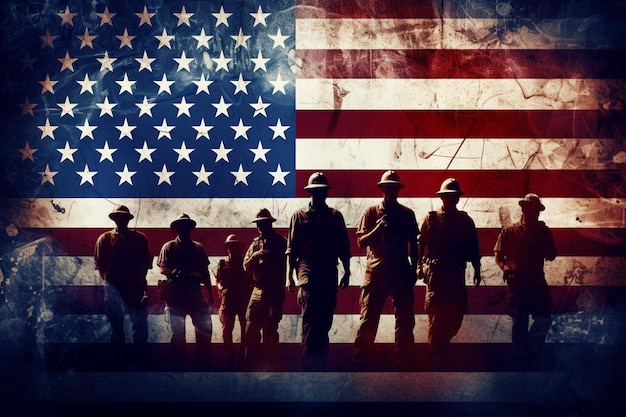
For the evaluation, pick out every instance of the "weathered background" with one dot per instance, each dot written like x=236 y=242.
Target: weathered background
x=509 y=97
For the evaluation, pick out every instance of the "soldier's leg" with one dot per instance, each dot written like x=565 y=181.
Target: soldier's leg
x=403 y=299
x=114 y=309
x=203 y=325
x=372 y=302
x=255 y=316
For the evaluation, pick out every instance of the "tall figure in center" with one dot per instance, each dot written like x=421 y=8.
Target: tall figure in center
x=317 y=238
x=389 y=231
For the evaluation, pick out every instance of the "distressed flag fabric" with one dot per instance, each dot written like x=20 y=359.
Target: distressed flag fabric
x=219 y=108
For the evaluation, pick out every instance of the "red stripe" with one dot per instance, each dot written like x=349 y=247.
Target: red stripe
x=608 y=183
x=385 y=9
x=481 y=300
x=569 y=242
x=496 y=124
x=483 y=63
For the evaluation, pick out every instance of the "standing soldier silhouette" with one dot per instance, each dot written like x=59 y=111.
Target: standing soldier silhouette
x=317 y=238
x=520 y=252
x=185 y=264
x=266 y=260
x=234 y=286
x=447 y=241
x=122 y=258
x=389 y=231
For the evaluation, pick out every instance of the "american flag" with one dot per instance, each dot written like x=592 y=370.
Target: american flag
x=219 y=108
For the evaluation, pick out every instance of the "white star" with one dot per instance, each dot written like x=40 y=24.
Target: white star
x=164 y=175
x=164 y=85
x=202 y=85
x=126 y=175
x=279 y=85
x=259 y=107
x=203 y=39
x=202 y=175
x=126 y=130
x=183 y=153
x=67 y=17
x=27 y=152
x=145 y=152
x=241 y=85
x=221 y=152
x=67 y=152
x=106 y=107
x=183 y=17
x=279 y=130
x=106 y=63
x=126 y=84
x=221 y=107
x=48 y=39
x=259 y=62
x=222 y=62
x=106 y=17
x=240 y=39
x=164 y=130
x=125 y=39
x=183 y=62
x=202 y=130
x=164 y=39
x=67 y=62
x=145 y=62
x=145 y=17
x=259 y=152
x=86 y=130
x=86 y=39
x=27 y=107
x=241 y=130
x=47 y=129
x=183 y=107
x=86 y=175
x=86 y=85
x=106 y=152
x=279 y=175
x=27 y=62
x=47 y=84
x=259 y=17
x=67 y=107
x=241 y=175
x=279 y=39
x=47 y=175
x=145 y=107
x=222 y=18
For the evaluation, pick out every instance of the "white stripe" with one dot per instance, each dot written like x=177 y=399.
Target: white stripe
x=451 y=94
x=582 y=213
x=476 y=328
x=564 y=270
x=455 y=153
x=454 y=34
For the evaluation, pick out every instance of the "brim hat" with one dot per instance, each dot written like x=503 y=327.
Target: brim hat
x=390 y=178
x=231 y=239
x=450 y=186
x=183 y=221
x=121 y=212
x=317 y=181
x=263 y=215
x=532 y=199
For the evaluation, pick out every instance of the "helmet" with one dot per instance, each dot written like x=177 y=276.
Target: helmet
x=532 y=199
x=450 y=186
x=183 y=221
x=121 y=212
x=390 y=178
x=317 y=180
x=231 y=239
x=263 y=214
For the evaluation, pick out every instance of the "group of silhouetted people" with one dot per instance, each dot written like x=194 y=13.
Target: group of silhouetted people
x=400 y=251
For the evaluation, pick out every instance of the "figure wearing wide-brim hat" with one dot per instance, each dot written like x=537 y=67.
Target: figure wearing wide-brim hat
x=390 y=179
x=120 y=213
x=184 y=221
x=532 y=200
x=450 y=186
x=263 y=215
x=317 y=181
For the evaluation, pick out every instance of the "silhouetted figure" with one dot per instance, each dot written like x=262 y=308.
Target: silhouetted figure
x=447 y=241
x=389 y=231
x=317 y=238
x=122 y=257
x=234 y=286
x=185 y=264
x=266 y=260
x=520 y=252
